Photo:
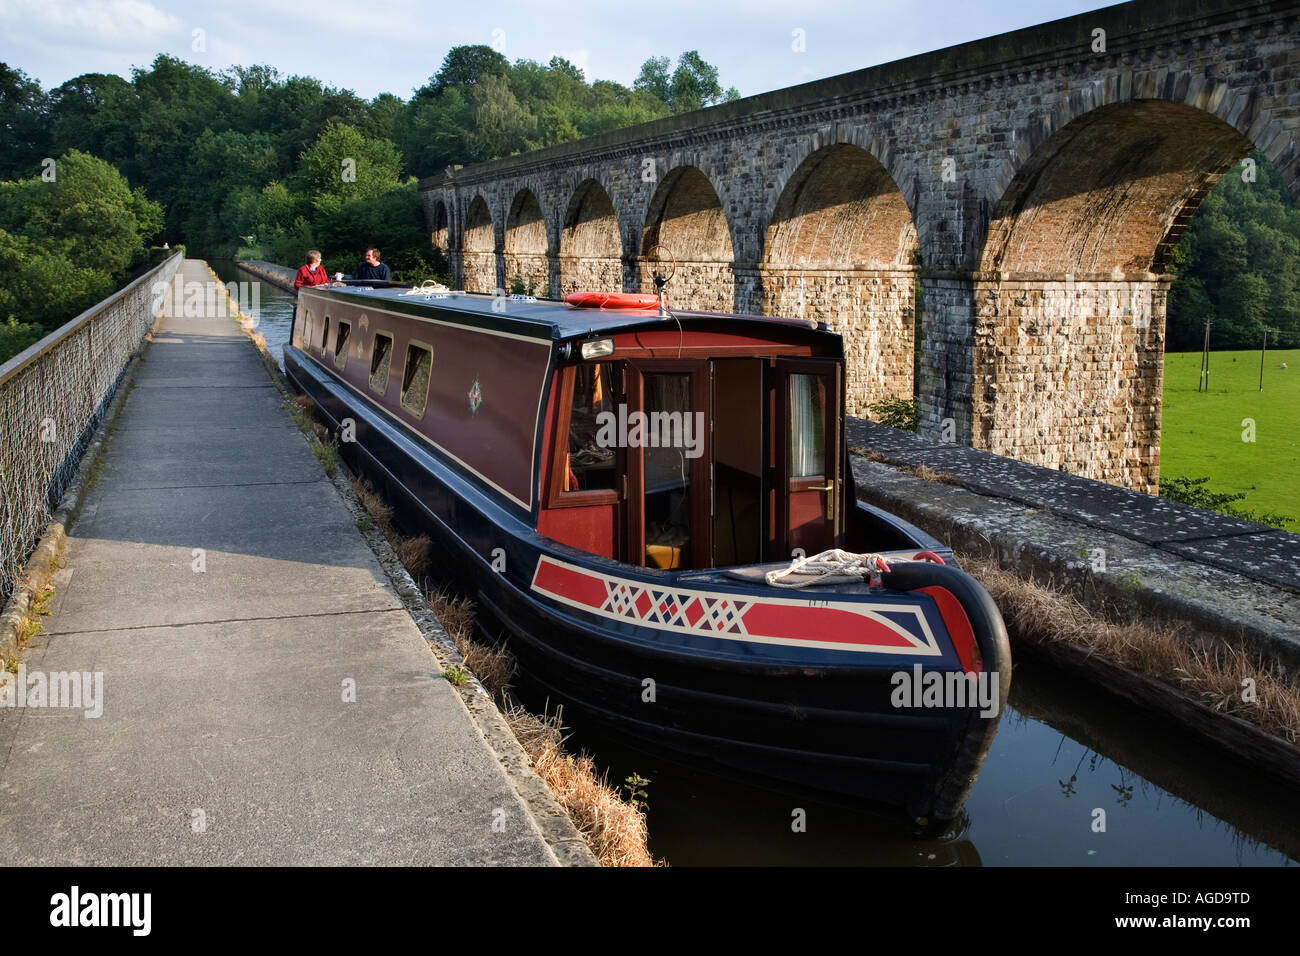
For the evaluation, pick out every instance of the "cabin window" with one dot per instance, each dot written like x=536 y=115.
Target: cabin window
x=807 y=448
x=341 y=344
x=416 y=375
x=591 y=463
x=325 y=333
x=304 y=333
x=381 y=359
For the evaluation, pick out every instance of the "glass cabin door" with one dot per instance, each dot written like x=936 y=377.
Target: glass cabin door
x=809 y=464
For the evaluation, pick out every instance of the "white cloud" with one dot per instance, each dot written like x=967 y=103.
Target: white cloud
x=111 y=23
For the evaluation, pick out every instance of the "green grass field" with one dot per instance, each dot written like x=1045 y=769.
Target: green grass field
x=1201 y=433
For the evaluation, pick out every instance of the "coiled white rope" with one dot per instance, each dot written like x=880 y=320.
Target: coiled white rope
x=826 y=566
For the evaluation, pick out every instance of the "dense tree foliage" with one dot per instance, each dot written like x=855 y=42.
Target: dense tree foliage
x=1238 y=265
x=68 y=238
x=250 y=161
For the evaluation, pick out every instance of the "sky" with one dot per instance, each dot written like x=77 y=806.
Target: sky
x=371 y=47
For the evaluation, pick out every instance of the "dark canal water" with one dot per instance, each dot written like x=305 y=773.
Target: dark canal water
x=273 y=309
x=1062 y=751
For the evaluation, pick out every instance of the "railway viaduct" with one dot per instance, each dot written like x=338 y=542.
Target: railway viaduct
x=1011 y=204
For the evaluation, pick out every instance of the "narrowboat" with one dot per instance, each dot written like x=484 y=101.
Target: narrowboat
x=637 y=498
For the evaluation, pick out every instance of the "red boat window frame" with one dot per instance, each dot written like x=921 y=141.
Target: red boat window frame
x=559 y=498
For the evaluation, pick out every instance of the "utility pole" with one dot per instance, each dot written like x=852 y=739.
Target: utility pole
x=1263 y=348
x=1204 y=383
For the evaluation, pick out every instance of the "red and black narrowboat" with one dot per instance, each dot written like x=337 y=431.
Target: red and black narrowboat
x=613 y=486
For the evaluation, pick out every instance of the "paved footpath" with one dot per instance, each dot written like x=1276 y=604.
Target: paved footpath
x=225 y=738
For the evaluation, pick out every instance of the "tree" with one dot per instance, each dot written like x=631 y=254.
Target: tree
x=345 y=165
x=1238 y=264
x=502 y=124
x=24 y=135
x=655 y=79
x=694 y=84
x=66 y=244
x=465 y=66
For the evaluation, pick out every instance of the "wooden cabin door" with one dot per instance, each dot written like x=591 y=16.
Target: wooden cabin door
x=668 y=440
x=806 y=442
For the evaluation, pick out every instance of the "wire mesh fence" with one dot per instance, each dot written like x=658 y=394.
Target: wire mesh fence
x=52 y=398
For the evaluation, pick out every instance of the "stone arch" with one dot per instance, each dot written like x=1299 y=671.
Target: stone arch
x=440 y=225
x=1069 y=294
x=479 y=255
x=525 y=245
x=686 y=217
x=591 y=253
x=841 y=247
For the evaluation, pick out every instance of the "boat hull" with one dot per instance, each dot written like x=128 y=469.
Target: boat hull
x=813 y=713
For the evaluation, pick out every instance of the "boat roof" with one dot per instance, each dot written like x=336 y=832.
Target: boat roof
x=550 y=318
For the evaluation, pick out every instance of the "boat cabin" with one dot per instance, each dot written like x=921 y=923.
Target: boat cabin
x=682 y=442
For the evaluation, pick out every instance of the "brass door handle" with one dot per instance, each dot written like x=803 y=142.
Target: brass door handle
x=829 y=488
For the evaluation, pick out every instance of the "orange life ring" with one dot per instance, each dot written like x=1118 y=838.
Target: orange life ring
x=611 y=300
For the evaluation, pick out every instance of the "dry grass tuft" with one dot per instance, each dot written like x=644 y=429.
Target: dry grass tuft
x=492 y=665
x=926 y=473
x=413 y=553
x=615 y=830
x=375 y=506
x=1207 y=668
x=304 y=402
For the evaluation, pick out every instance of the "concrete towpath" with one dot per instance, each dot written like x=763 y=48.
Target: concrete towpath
x=218 y=582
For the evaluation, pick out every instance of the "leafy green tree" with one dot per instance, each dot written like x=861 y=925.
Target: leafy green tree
x=502 y=125
x=465 y=66
x=345 y=165
x=655 y=79
x=1238 y=265
x=24 y=135
x=695 y=84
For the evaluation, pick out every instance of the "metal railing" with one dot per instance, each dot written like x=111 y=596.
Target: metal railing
x=52 y=398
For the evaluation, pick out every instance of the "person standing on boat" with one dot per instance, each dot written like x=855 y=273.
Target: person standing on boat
x=313 y=273
x=371 y=270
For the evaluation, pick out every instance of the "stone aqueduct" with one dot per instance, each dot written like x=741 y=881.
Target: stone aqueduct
x=1012 y=201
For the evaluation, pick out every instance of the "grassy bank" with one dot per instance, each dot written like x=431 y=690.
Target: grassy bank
x=1202 y=432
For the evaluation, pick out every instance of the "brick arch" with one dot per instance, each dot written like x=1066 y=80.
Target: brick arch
x=479 y=256
x=841 y=247
x=685 y=216
x=525 y=244
x=591 y=252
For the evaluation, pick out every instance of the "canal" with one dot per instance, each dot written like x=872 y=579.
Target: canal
x=1063 y=752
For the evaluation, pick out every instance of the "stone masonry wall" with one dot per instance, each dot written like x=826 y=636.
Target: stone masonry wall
x=875 y=311
x=1068 y=375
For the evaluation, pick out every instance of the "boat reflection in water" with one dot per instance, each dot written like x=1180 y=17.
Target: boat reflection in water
x=622 y=491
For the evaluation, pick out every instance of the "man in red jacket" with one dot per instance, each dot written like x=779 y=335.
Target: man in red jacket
x=313 y=273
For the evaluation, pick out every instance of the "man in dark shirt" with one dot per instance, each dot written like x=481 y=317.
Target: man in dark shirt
x=372 y=269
